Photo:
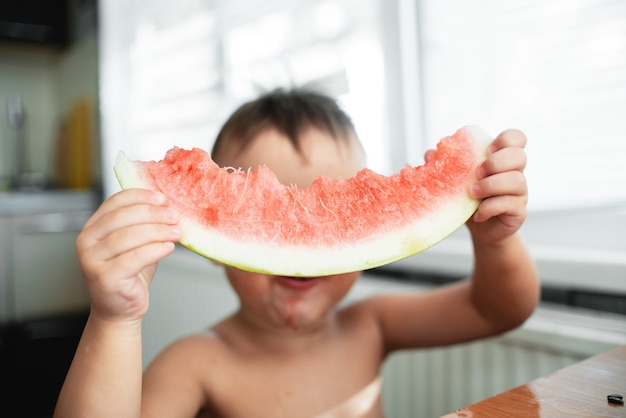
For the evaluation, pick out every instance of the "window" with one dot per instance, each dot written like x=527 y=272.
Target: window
x=332 y=45
x=172 y=72
x=553 y=68
x=557 y=70
x=409 y=72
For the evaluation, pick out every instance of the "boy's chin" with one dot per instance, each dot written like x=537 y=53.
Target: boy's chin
x=303 y=315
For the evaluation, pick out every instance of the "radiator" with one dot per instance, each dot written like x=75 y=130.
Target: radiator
x=434 y=382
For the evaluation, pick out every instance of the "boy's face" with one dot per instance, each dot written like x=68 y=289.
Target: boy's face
x=282 y=301
x=320 y=155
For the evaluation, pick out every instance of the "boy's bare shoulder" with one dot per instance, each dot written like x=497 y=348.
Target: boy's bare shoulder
x=198 y=358
x=182 y=374
x=200 y=343
x=191 y=354
x=368 y=307
x=360 y=313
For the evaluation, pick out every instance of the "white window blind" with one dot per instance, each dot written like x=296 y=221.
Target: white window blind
x=172 y=72
x=555 y=69
x=331 y=45
x=160 y=79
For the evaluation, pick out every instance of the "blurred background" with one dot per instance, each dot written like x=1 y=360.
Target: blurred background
x=82 y=79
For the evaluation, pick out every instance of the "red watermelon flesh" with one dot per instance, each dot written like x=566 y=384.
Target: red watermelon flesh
x=250 y=220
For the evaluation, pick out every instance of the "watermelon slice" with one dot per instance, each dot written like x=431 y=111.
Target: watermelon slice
x=252 y=221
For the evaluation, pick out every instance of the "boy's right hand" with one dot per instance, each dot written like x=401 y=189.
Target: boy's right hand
x=119 y=248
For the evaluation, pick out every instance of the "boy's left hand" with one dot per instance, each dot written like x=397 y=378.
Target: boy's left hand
x=502 y=186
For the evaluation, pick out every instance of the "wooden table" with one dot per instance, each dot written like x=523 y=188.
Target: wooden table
x=579 y=390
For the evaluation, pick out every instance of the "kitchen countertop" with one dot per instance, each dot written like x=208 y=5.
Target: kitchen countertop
x=581 y=249
x=16 y=202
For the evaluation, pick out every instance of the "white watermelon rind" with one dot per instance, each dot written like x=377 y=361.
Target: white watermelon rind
x=291 y=260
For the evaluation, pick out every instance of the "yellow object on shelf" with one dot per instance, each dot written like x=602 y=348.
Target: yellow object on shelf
x=74 y=153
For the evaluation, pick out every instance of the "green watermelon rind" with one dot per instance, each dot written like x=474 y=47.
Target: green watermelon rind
x=294 y=260
x=323 y=261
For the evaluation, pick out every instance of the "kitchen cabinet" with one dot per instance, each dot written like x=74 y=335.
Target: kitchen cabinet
x=46 y=276
x=43 y=301
x=5 y=270
x=39 y=270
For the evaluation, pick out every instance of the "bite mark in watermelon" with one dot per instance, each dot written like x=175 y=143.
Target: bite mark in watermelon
x=250 y=220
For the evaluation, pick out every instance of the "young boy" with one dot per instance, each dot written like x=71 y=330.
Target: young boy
x=288 y=351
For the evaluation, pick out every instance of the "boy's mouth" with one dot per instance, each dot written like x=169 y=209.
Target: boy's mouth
x=299 y=283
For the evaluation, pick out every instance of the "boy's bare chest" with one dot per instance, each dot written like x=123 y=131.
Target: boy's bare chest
x=330 y=382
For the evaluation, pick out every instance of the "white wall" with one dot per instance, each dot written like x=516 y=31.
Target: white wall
x=49 y=81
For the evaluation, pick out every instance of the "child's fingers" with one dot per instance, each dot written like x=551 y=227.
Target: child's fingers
x=125 y=198
x=508 y=138
x=128 y=264
x=122 y=217
x=136 y=214
x=502 y=160
x=513 y=207
x=125 y=229
x=507 y=183
x=127 y=239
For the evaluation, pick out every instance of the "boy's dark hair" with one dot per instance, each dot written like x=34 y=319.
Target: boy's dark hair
x=291 y=112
